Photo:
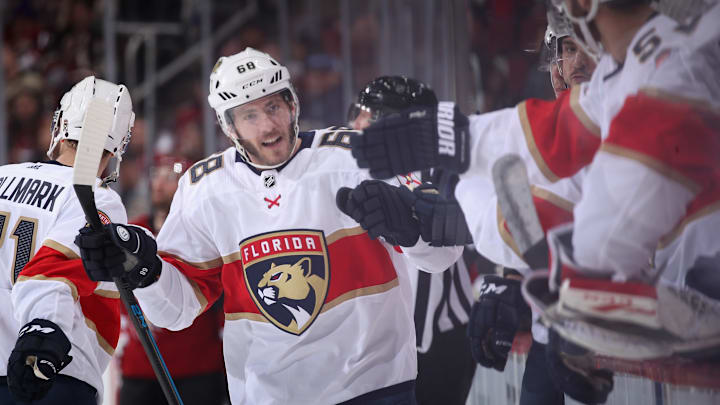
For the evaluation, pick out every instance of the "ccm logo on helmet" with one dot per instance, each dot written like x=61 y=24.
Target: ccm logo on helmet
x=252 y=83
x=446 y=125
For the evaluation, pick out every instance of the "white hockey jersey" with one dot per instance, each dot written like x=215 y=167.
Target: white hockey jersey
x=316 y=312
x=43 y=276
x=650 y=129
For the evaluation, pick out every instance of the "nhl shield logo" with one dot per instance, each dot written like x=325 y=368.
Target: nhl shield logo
x=287 y=274
x=269 y=180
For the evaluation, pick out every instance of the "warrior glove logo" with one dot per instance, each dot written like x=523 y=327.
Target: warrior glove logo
x=287 y=274
x=446 y=128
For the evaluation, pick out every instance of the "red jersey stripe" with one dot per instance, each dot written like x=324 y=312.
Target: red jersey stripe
x=102 y=314
x=558 y=139
x=356 y=261
x=679 y=140
x=206 y=282
x=50 y=264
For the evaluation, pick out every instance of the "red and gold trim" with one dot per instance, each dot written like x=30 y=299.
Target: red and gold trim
x=560 y=141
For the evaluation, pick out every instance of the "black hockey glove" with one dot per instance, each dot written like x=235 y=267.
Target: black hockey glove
x=415 y=139
x=40 y=352
x=495 y=318
x=442 y=222
x=573 y=371
x=124 y=251
x=379 y=209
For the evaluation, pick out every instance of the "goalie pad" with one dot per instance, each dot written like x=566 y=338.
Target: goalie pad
x=628 y=320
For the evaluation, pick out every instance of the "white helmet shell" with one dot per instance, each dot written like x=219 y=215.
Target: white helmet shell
x=582 y=34
x=242 y=78
x=69 y=117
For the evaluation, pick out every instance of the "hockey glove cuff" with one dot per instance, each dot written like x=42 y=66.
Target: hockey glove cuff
x=379 y=209
x=495 y=318
x=415 y=139
x=573 y=371
x=124 y=251
x=40 y=352
x=442 y=222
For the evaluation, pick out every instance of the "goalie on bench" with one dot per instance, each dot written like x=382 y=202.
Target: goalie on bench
x=646 y=212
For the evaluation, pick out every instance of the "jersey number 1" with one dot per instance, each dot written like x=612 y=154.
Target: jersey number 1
x=24 y=234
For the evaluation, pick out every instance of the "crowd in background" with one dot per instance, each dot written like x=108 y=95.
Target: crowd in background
x=48 y=46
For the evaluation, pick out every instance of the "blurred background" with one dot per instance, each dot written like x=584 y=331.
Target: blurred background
x=472 y=51
x=481 y=53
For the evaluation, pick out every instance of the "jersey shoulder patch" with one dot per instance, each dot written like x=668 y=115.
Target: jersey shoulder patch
x=201 y=169
x=338 y=137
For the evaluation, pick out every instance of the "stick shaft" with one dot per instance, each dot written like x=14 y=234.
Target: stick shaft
x=86 y=196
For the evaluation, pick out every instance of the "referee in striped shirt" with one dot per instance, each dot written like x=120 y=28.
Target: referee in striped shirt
x=442 y=300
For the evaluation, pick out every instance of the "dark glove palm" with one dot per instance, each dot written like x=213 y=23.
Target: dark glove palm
x=495 y=318
x=442 y=222
x=573 y=371
x=415 y=139
x=379 y=209
x=40 y=352
x=123 y=251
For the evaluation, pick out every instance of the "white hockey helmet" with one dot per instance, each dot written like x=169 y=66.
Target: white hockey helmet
x=68 y=118
x=554 y=33
x=244 y=77
x=558 y=16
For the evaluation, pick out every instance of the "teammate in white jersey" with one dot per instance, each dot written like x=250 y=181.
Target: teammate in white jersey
x=646 y=210
x=500 y=310
x=68 y=325
x=316 y=311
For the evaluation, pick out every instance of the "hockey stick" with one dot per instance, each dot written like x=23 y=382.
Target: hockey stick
x=516 y=204
x=96 y=126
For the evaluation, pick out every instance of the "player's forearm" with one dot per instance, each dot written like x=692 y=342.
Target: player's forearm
x=44 y=299
x=555 y=139
x=171 y=302
x=493 y=135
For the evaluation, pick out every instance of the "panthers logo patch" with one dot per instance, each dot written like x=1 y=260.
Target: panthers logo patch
x=287 y=274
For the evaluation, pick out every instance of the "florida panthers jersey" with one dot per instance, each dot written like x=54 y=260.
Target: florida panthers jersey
x=315 y=311
x=554 y=204
x=43 y=276
x=649 y=126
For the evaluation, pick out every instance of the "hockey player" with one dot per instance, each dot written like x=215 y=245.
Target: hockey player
x=61 y=328
x=442 y=300
x=500 y=310
x=646 y=207
x=570 y=65
x=316 y=312
x=649 y=192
